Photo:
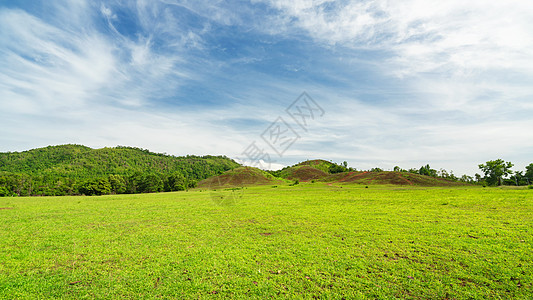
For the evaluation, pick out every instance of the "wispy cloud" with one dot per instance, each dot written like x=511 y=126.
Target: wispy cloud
x=404 y=83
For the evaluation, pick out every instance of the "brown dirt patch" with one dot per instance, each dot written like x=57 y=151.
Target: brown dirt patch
x=306 y=173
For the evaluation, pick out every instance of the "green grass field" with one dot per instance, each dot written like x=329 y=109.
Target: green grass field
x=303 y=241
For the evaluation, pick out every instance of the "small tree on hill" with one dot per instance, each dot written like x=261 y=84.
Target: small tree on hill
x=428 y=171
x=334 y=169
x=495 y=170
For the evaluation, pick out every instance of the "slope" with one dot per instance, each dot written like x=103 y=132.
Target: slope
x=385 y=177
x=239 y=177
x=303 y=173
x=64 y=169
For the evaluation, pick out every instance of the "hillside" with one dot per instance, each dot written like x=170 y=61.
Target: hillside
x=310 y=170
x=61 y=170
x=394 y=178
x=239 y=177
x=303 y=173
x=329 y=172
x=319 y=164
x=82 y=161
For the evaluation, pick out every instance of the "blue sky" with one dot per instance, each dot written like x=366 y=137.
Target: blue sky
x=401 y=83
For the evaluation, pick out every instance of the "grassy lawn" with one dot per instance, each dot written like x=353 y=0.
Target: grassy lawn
x=303 y=241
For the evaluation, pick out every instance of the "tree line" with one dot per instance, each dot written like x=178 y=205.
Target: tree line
x=495 y=172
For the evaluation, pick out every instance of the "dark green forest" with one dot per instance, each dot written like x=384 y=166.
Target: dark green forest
x=76 y=170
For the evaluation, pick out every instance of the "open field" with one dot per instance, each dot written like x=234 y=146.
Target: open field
x=303 y=241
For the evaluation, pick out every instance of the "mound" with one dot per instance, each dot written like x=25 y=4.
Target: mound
x=318 y=164
x=394 y=178
x=303 y=173
x=243 y=176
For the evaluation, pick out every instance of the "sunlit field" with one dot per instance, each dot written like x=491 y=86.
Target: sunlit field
x=302 y=241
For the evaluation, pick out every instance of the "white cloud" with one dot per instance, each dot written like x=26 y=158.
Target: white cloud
x=456 y=36
x=463 y=69
x=467 y=64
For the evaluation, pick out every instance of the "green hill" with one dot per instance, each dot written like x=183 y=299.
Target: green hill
x=303 y=173
x=385 y=177
x=319 y=164
x=65 y=169
x=239 y=177
x=310 y=170
x=329 y=172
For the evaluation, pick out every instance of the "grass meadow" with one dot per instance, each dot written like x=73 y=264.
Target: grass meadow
x=298 y=242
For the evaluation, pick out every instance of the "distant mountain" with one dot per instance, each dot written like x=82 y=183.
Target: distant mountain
x=61 y=170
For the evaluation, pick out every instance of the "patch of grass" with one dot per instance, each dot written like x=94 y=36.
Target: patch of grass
x=530 y=187
x=304 y=241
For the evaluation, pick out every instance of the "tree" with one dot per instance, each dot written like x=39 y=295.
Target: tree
x=334 y=169
x=175 y=182
x=495 y=170
x=428 y=171
x=151 y=183
x=95 y=187
x=479 y=179
x=4 y=192
x=467 y=179
x=518 y=178
x=529 y=173
x=118 y=184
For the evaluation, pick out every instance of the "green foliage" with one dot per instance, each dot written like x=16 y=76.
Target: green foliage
x=334 y=169
x=529 y=173
x=176 y=182
x=495 y=170
x=150 y=183
x=118 y=184
x=4 y=192
x=93 y=187
x=75 y=169
x=530 y=187
x=427 y=171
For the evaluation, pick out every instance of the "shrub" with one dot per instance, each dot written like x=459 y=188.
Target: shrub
x=530 y=187
x=4 y=192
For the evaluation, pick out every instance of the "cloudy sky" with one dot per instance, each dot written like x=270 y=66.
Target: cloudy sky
x=404 y=83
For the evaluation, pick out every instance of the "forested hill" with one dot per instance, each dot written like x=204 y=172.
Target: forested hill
x=76 y=169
